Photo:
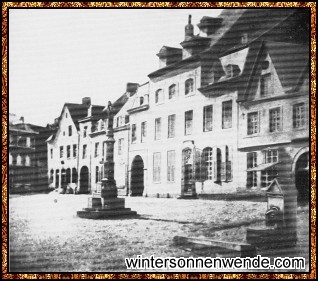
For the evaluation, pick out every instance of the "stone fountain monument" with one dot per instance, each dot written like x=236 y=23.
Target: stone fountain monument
x=104 y=203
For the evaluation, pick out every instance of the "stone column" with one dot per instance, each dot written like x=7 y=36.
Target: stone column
x=109 y=188
x=105 y=204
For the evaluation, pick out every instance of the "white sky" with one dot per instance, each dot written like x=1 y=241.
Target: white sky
x=62 y=55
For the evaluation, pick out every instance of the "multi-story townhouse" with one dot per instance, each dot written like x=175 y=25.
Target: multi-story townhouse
x=92 y=144
x=273 y=115
x=27 y=156
x=122 y=139
x=22 y=171
x=66 y=145
x=177 y=133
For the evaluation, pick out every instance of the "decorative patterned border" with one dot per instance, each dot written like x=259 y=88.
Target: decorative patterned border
x=8 y=5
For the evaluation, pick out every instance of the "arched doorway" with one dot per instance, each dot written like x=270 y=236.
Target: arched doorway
x=302 y=180
x=137 y=177
x=84 y=180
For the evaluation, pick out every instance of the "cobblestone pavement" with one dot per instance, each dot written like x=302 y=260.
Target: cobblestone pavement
x=47 y=236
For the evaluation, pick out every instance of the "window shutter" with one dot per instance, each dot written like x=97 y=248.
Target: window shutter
x=229 y=170
x=223 y=171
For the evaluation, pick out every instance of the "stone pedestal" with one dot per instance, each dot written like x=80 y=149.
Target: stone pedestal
x=106 y=205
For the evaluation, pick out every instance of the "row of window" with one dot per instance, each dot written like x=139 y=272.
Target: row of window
x=84 y=152
x=172 y=91
x=19 y=160
x=68 y=151
x=300 y=119
x=205 y=166
x=188 y=122
x=122 y=120
x=67 y=176
x=21 y=141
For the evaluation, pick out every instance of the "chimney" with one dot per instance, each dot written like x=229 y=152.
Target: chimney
x=86 y=101
x=131 y=88
x=21 y=119
x=189 y=29
x=209 y=25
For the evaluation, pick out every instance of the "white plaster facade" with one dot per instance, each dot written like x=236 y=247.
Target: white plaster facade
x=59 y=162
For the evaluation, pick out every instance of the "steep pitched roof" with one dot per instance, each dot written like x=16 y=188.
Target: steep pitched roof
x=79 y=111
x=289 y=60
x=117 y=105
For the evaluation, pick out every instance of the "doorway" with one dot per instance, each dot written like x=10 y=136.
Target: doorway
x=187 y=183
x=137 y=177
x=84 y=180
x=302 y=180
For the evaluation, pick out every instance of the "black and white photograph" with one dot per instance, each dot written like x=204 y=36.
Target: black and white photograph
x=172 y=140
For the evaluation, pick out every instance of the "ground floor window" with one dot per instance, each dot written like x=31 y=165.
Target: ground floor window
x=170 y=165
x=207 y=164
x=228 y=164
x=271 y=156
x=251 y=175
x=268 y=176
x=156 y=166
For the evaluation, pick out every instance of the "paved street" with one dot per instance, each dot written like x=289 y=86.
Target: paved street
x=47 y=236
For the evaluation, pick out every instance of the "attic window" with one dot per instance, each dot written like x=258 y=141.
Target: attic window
x=265 y=84
x=141 y=100
x=244 y=38
x=265 y=65
x=232 y=70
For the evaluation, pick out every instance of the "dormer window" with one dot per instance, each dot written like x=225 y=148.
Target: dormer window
x=244 y=38
x=265 y=83
x=232 y=70
x=172 y=91
x=159 y=96
x=94 y=126
x=141 y=100
x=102 y=125
x=189 y=86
